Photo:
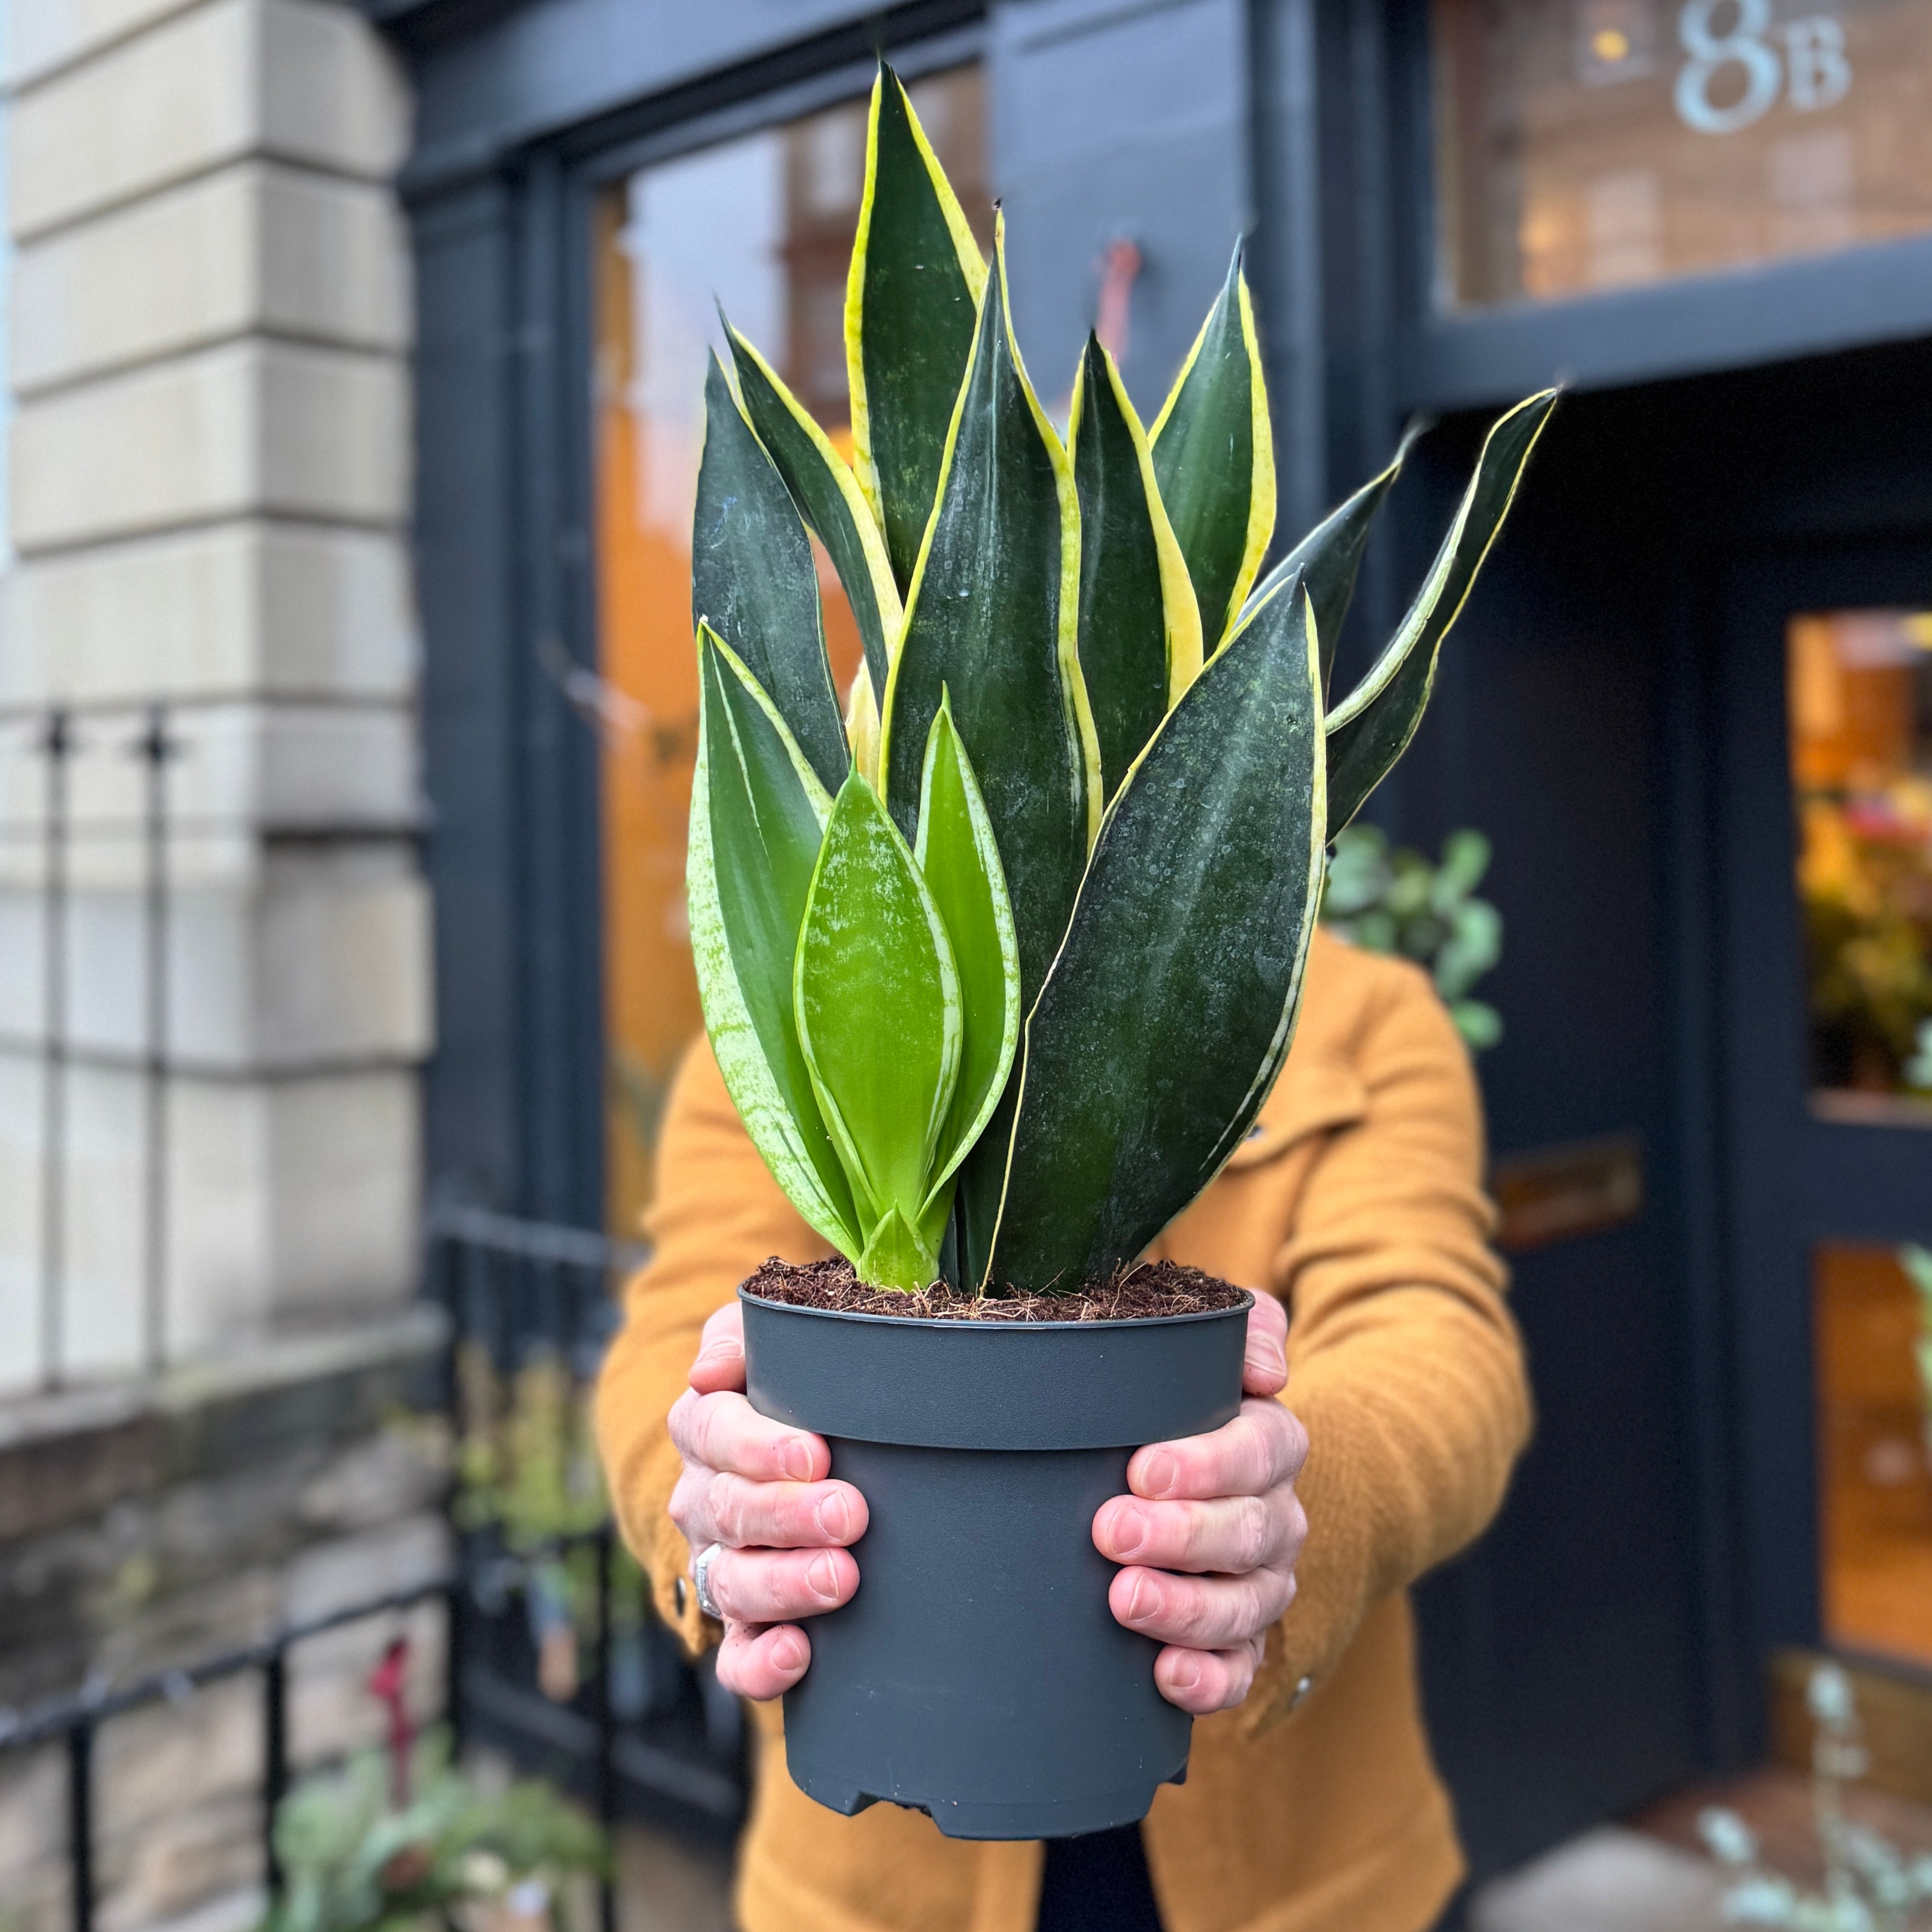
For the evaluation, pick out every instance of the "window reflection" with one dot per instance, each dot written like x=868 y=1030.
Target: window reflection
x=1872 y=1325
x=1859 y=690
x=1599 y=144
x=764 y=225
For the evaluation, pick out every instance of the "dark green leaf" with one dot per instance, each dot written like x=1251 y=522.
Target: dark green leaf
x=758 y=812
x=915 y=280
x=959 y=860
x=878 y=1011
x=1140 y=630
x=1371 y=727
x=752 y=579
x=1169 y=1010
x=828 y=497
x=1329 y=557
x=1213 y=458
x=992 y=618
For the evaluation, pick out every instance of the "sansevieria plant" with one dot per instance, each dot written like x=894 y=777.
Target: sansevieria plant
x=1001 y=961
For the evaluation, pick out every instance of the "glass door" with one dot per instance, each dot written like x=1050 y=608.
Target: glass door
x=1825 y=885
x=762 y=224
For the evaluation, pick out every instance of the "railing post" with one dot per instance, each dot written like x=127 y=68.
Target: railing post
x=80 y=1821
x=274 y=1760
x=606 y=1735
x=155 y=749
x=57 y=745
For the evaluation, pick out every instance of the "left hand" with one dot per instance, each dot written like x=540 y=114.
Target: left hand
x=1209 y=1535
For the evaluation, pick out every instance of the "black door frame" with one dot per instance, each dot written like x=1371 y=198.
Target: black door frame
x=1793 y=1179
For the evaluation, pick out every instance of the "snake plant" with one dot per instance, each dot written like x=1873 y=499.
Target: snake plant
x=1001 y=961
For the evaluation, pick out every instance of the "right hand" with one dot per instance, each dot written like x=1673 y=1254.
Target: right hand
x=759 y=1488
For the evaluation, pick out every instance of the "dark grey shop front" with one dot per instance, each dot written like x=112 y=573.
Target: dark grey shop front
x=1747 y=441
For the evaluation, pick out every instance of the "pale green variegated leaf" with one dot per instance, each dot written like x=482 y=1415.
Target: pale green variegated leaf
x=1140 y=628
x=992 y=617
x=1213 y=458
x=753 y=580
x=1169 y=1010
x=914 y=284
x=877 y=1002
x=1328 y=559
x=959 y=860
x=829 y=498
x=1372 y=726
x=757 y=814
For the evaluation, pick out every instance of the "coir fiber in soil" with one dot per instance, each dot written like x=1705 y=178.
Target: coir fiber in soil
x=1154 y=1288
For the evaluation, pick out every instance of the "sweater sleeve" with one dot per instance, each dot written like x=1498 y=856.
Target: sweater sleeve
x=1404 y=1363
x=718 y=1214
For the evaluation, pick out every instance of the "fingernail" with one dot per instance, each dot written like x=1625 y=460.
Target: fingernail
x=798 y=1461
x=835 y=1517
x=1267 y=1358
x=1143 y=1601
x=822 y=1573
x=789 y=1652
x=1129 y=1531
x=1157 y=1474
x=1185 y=1674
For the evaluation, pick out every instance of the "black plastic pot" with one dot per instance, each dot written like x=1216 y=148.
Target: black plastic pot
x=979 y=1674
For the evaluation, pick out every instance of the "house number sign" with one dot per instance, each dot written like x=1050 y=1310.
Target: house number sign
x=1735 y=56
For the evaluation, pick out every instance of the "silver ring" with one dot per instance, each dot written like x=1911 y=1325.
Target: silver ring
x=700 y=1578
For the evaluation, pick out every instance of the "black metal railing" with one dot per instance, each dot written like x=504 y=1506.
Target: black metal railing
x=75 y=1723
x=649 y=1734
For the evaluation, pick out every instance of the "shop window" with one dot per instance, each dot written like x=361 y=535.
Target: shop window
x=1859 y=695
x=1586 y=145
x=1872 y=1324
x=764 y=224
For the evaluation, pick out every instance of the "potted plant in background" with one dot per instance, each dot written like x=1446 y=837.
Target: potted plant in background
x=1000 y=964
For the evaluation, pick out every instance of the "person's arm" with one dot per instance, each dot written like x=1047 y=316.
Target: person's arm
x=1404 y=1364
x=718 y=1215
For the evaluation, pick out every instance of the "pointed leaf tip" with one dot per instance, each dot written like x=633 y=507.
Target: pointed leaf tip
x=1371 y=728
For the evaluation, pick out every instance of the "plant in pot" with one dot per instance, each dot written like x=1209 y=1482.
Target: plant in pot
x=1000 y=964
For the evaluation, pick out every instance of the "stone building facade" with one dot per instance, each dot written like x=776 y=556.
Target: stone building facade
x=209 y=1214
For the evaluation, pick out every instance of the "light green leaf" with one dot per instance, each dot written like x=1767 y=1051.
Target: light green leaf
x=1372 y=726
x=1140 y=629
x=877 y=1002
x=829 y=498
x=758 y=812
x=753 y=580
x=1169 y=1010
x=1329 y=557
x=959 y=860
x=915 y=282
x=1213 y=458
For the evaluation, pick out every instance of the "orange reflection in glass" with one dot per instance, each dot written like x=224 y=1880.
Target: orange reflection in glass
x=764 y=224
x=1874 y=1451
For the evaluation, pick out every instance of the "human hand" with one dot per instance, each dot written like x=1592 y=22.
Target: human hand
x=1209 y=1535
x=759 y=1488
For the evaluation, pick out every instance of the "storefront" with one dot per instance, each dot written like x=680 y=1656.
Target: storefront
x=1691 y=703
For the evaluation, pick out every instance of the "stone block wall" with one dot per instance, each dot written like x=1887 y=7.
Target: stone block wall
x=209 y=475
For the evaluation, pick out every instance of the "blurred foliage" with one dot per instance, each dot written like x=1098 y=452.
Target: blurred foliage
x=1870 y=1884
x=1865 y=874
x=451 y=1853
x=1395 y=901
x=1917 y=1263
x=527 y=1468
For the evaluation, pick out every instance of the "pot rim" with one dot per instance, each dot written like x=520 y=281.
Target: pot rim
x=953 y=1325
